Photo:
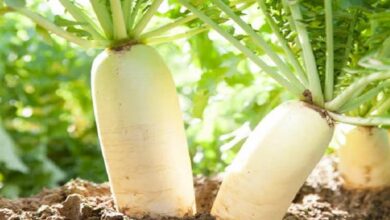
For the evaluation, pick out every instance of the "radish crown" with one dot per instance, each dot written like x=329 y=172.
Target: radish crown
x=317 y=49
x=109 y=23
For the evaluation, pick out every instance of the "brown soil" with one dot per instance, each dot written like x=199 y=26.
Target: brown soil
x=321 y=198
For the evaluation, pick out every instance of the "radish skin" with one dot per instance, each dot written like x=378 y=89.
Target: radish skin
x=364 y=156
x=142 y=134
x=273 y=163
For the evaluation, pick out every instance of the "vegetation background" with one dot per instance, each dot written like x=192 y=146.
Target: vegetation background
x=47 y=129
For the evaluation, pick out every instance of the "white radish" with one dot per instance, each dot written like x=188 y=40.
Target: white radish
x=364 y=156
x=142 y=133
x=273 y=163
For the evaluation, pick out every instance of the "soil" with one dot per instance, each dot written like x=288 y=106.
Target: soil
x=320 y=198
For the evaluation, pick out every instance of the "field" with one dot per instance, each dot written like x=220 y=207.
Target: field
x=321 y=197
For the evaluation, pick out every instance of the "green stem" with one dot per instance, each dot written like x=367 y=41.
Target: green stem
x=126 y=10
x=168 y=27
x=118 y=20
x=236 y=2
x=81 y=17
x=103 y=15
x=175 y=24
x=372 y=121
x=329 y=68
x=308 y=55
x=165 y=39
x=356 y=102
x=290 y=55
x=53 y=28
x=350 y=91
x=261 y=43
x=382 y=108
x=268 y=69
x=126 y=7
x=291 y=24
x=133 y=16
x=143 y=22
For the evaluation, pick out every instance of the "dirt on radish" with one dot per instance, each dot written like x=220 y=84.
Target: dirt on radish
x=322 y=197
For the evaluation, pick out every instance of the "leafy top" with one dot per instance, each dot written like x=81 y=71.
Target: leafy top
x=110 y=23
x=332 y=54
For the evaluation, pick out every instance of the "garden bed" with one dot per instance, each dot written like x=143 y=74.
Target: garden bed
x=322 y=197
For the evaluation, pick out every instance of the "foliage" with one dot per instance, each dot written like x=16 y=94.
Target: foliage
x=361 y=38
x=327 y=53
x=45 y=107
x=108 y=23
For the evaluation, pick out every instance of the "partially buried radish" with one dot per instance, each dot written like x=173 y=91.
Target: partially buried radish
x=364 y=156
x=141 y=132
x=271 y=165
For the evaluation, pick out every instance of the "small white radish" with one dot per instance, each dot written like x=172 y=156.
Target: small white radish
x=142 y=133
x=364 y=156
x=273 y=163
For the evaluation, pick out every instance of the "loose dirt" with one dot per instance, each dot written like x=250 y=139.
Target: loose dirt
x=320 y=198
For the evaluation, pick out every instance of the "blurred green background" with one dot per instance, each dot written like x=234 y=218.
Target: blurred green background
x=47 y=129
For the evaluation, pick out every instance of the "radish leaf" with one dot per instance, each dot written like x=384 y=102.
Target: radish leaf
x=15 y=3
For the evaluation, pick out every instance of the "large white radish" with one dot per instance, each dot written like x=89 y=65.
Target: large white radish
x=364 y=156
x=273 y=163
x=141 y=133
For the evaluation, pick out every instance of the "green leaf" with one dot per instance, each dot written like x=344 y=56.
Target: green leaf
x=15 y=3
x=203 y=50
x=78 y=32
x=8 y=155
x=344 y=4
x=266 y=28
x=60 y=21
x=243 y=79
x=200 y=101
x=10 y=191
x=44 y=34
x=385 y=50
x=56 y=173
